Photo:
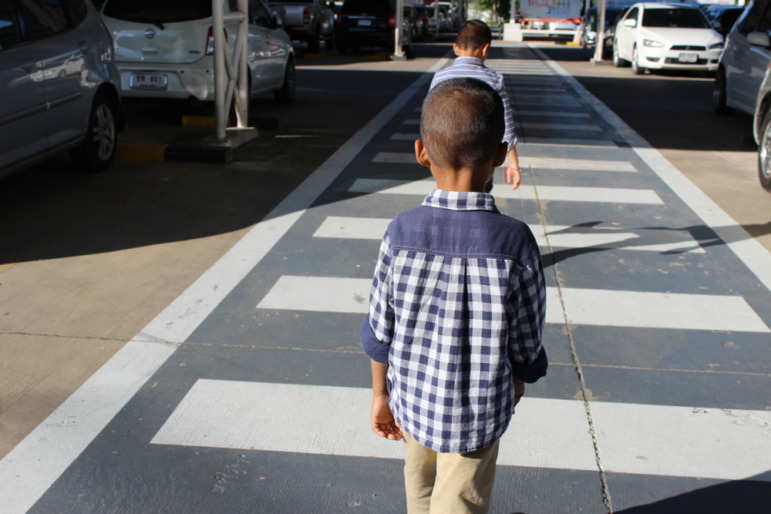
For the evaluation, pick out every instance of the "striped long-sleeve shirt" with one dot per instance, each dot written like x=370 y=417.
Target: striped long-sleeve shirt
x=471 y=67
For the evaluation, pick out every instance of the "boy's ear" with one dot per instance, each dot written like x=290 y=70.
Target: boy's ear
x=485 y=50
x=456 y=48
x=421 y=154
x=500 y=154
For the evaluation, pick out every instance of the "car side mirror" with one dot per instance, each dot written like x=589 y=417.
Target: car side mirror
x=759 y=39
x=631 y=23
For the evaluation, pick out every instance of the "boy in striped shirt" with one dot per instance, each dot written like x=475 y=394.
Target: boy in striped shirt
x=471 y=47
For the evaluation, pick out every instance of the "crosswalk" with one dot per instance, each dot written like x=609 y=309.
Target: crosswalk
x=635 y=281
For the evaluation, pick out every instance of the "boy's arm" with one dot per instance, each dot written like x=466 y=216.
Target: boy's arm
x=383 y=422
x=527 y=355
x=513 y=175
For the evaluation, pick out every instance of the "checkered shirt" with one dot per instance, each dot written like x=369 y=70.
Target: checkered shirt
x=473 y=68
x=456 y=310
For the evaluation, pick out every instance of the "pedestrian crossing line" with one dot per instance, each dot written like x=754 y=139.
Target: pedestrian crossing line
x=565 y=236
x=559 y=236
x=699 y=442
x=561 y=114
x=567 y=103
x=577 y=127
x=540 y=89
x=523 y=192
x=404 y=136
x=577 y=164
x=594 y=307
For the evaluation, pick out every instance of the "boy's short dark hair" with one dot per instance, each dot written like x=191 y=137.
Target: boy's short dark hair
x=474 y=34
x=462 y=123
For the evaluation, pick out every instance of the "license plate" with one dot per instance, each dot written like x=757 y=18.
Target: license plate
x=365 y=23
x=688 y=58
x=149 y=81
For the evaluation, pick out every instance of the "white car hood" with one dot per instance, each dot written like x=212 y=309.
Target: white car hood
x=676 y=36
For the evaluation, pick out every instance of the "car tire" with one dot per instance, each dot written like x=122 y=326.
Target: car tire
x=286 y=93
x=764 y=153
x=618 y=62
x=636 y=68
x=98 y=149
x=719 y=95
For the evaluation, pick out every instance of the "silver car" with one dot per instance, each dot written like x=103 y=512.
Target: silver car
x=165 y=48
x=58 y=84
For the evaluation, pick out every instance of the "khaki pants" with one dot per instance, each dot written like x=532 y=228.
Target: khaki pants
x=448 y=483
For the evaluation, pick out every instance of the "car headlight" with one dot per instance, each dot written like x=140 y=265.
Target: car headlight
x=717 y=46
x=652 y=43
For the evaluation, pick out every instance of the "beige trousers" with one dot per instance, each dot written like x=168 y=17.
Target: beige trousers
x=448 y=483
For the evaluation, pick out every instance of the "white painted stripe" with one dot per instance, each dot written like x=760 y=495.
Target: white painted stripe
x=660 y=310
x=559 y=236
x=558 y=163
x=561 y=114
x=542 y=97
x=352 y=228
x=34 y=464
x=632 y=438
x=405 y=136
x=594 y=144
x=598 y=307
x=525 y=192
x=395 y=157
x=564 y=236
x=539 y=89
x=277 y=417
x=745 y=247
x=576 y=127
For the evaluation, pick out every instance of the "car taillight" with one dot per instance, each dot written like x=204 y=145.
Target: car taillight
x=210 y=40
x=339 y=17
x=306 y=16
x=392 y=20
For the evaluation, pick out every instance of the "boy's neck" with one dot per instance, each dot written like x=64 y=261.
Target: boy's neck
x=465 y=180
x=479 y=53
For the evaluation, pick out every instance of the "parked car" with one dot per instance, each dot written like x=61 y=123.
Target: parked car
x=60 y=88
x=372 y=23
x=165 y=49
x=303 y=20
x=666 y=36
x=744 y=62
x=329 y=15
x=762 y=130
x=723 y=16
x=590 y=22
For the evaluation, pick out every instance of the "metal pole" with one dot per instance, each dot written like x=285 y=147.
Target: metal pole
x=598 y=47
x=220 y=76
x=399 y=16
x=242 y=105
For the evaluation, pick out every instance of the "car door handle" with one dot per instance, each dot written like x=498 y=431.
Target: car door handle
x=28 y=65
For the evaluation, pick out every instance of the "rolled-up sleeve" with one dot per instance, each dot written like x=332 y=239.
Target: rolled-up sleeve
x=378 y=326
x=527 y=317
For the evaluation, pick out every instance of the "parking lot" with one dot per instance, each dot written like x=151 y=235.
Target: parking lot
x=90 y=262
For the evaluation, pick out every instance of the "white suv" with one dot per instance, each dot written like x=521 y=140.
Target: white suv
x=165 y=48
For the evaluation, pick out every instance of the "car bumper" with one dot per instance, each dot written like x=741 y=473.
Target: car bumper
x=169 y=82
x=668 y=59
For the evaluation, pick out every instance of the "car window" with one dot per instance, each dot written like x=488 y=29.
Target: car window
x=158 y=11
x=633 y=14
x=259 y=14
x=79 y=11
x=10 y=34
x=379 y=7
x=44 y=17
x=759 y=16
x=674 y=18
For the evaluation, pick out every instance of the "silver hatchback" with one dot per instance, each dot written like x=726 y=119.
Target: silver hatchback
x=58 y=84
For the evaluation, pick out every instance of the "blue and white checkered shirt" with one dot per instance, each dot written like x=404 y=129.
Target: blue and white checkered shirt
x=457 y=310
x=471 y=67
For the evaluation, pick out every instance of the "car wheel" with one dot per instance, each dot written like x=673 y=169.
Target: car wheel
x=764 y=153
x=286 y=93
x=618 y=62
x=636 y=68
x=98 y=149
x=719 y=95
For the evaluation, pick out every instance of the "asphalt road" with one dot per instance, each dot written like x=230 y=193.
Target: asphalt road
x=86 y=262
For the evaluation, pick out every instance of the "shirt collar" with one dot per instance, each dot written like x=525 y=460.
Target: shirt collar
x=457 y=201
x=469 y=60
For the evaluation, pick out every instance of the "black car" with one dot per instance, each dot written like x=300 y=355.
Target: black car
x=372 y=23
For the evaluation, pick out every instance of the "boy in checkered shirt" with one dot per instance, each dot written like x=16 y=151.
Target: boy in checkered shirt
x=457 y=310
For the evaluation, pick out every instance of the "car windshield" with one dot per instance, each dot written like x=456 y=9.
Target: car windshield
x=674 y=18
x=158 y=11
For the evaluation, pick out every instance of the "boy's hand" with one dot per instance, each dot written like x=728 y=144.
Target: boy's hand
x=513 y=177
x=383 y=422
x=519 y=390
